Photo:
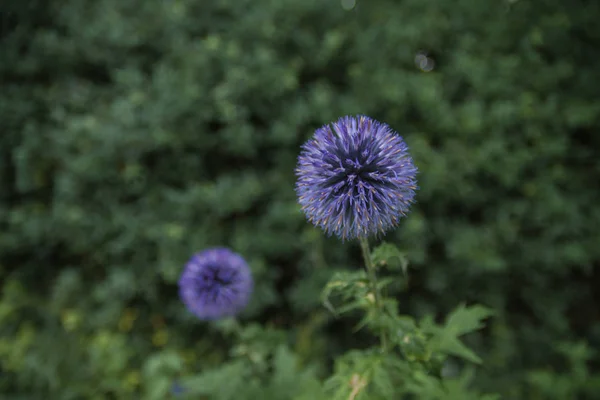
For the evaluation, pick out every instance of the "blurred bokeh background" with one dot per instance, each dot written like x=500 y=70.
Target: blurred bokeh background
x=134 y=133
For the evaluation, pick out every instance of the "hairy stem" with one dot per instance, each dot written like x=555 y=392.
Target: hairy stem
x=370 y=267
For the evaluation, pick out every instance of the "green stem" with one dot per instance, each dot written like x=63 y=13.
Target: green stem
x=370 y=267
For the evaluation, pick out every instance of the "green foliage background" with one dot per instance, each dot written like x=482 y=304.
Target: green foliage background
x=134 y=133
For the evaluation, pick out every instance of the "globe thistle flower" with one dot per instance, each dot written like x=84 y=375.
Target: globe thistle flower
x=177 y=389
x=216 y=283
x=355 y=178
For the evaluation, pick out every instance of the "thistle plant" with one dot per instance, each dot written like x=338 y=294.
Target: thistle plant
x=356 y=180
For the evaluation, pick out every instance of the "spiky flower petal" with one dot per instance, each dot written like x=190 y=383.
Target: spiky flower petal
x=216 y=283
x=355 y=178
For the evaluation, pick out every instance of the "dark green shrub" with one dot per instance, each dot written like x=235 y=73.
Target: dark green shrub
x=135 y=133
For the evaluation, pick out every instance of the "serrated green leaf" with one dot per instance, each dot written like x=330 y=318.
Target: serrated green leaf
x=382 y=381
x=467 y=319
x=461 y=321
x=388 y=255
x=349 y=286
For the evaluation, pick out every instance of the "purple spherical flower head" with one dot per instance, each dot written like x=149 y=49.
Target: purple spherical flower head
x=216 y=283
x=177 y=389
x=355 y=178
